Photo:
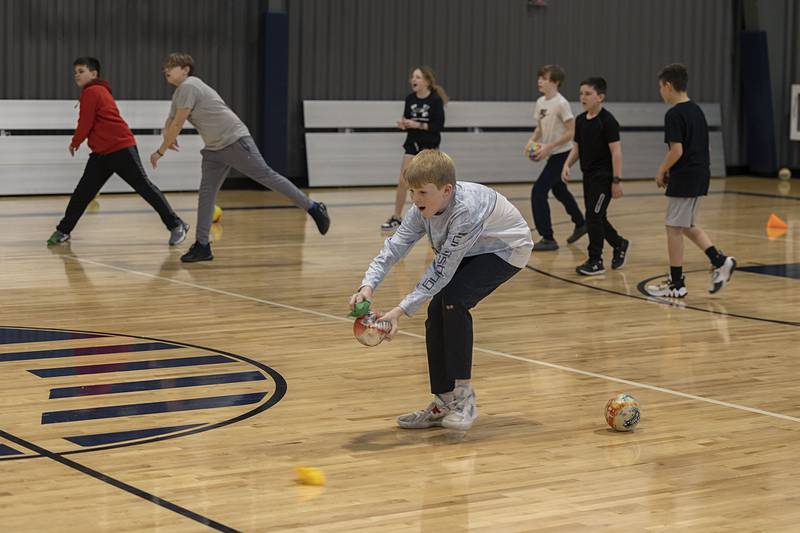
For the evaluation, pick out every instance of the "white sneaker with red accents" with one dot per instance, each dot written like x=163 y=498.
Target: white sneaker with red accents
x=429 y=417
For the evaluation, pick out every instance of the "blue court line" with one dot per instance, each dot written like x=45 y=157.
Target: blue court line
x=18 y=335
x=764 y=195
x=8 y=450
x=155 y=384
x=114 y=411
x=134 y=365
x=121 y=436
x=787 y=270
x=89 y=350
x=662 y=301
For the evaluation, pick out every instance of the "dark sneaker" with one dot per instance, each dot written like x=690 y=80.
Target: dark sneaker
x=620 y=252
x=57 y=238
x=579 y=232
x=722 y=275
x=178 y=234
x=319 y=213
x=592 y=267
x=391 y=224
x=545 y=245
x=198 y=252
x=668 y=288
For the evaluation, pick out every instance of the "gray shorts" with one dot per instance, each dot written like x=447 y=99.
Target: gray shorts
x=681 y=212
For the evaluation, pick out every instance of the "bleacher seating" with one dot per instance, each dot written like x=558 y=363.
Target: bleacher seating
x=34 y=135
x=351 y=142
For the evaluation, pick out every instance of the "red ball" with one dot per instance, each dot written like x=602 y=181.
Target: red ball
x=370 y=331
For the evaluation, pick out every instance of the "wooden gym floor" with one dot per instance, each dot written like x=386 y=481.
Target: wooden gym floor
x=194 y=390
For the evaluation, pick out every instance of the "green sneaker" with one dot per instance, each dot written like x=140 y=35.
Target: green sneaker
x=57 y=238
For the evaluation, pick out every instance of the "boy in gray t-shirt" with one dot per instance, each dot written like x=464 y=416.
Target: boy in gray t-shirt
x=218 y=125
x=228 y=144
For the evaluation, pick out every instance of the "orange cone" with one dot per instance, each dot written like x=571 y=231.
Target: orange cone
x=775 y=222
x=775 y=233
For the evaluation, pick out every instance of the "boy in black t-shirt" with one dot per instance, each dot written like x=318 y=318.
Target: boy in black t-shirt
x=598 y=147
x=686 y=175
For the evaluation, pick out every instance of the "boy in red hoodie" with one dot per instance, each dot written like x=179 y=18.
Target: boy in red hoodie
x=113 y=151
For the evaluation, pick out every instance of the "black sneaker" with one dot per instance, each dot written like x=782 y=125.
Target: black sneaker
x=620 y=252
x=591 y=267
x=391 y=223
x=579 y=232
x=319 y=213
x=545 y=245
x=198 y=252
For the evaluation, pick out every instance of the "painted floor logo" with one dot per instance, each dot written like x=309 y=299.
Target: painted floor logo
x=73 y=391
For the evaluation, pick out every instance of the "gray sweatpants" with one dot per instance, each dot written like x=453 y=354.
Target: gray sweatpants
x=243 y=155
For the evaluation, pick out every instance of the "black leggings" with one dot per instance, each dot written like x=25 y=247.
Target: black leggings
x=448 y=330
x=98 y=169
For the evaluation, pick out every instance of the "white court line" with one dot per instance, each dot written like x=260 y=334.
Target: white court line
x=475 y=348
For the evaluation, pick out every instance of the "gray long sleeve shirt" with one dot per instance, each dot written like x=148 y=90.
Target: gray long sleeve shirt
x=478 y=220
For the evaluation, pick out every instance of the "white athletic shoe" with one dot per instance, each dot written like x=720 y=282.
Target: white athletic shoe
x=463 y=412
x=429 y=417
x=668 y=289
x=722 y=276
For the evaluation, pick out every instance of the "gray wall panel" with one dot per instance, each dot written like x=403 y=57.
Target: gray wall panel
x=40 y=38
x=485 y=50
x=781 y=20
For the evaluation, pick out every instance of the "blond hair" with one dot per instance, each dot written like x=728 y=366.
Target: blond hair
x=430 y=166
x=179 y=59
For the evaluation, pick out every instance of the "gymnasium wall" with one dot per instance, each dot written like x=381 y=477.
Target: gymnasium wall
x=39 y=39
x=363 y=49
x=490 y=50
x=790 y=151
x=781 y=20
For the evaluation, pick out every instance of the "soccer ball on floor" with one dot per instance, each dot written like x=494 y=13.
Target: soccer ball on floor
x=623 y=412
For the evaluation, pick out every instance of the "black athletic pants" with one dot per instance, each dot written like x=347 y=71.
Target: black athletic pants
x=597 y=196
x=448 y=330
x=550 y=179
x=128 y=166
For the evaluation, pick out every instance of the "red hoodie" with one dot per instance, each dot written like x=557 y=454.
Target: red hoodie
x=100 y=120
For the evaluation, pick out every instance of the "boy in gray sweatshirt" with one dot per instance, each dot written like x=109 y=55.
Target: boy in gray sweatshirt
x=481 y=241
